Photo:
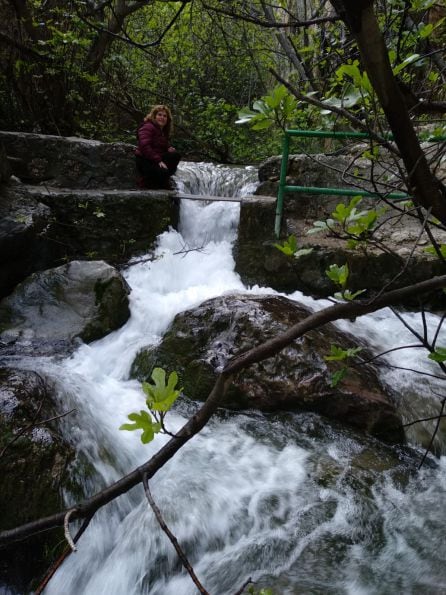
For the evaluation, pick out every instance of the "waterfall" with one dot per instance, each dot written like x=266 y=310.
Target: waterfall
x=295 y=503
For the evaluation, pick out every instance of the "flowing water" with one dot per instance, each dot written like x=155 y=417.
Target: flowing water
x=295 y=503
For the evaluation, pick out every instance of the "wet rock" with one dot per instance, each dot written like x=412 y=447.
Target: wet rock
x=34 y=461
x=110 y=225
x=201 y=341
x=258 y=261
x=23 y=224
x=68 y=161
x=53 y=309
x=5 y=169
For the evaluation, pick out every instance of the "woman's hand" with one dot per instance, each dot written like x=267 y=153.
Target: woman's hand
x=162 y=165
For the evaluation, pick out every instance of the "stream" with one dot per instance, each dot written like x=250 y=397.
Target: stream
x=298 y=504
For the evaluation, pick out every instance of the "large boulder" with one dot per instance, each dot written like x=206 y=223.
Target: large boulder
x=201 y=341
x=34 y=471
x=53 y=309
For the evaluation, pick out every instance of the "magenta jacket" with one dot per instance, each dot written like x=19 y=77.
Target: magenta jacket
x=152 y=142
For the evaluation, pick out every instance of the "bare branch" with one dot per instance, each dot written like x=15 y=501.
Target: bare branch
x=31 y=426
x=173 y=540
x=66 y=527
x=359 y=124
x=418 y=421
x=271 y=24
x=434 y=433
x=62 y=558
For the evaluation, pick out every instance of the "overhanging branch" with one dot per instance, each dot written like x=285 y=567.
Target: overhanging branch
x=198 y=421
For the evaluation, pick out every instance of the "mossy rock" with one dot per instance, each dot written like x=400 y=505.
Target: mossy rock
x=34 y=470
x=201 y=341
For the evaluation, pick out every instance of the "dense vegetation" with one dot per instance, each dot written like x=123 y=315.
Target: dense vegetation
x=93 y=68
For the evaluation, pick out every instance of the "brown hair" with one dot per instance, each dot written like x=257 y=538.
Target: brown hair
x=168 y=128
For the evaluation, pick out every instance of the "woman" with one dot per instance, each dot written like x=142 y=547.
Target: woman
x=156 y=159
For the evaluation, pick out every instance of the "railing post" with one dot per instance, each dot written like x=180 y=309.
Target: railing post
x=333 y=191
x=282 y=183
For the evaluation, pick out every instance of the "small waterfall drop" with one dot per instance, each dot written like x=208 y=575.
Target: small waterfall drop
x=286 y=499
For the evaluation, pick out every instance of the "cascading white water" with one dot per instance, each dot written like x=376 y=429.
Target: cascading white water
x=286 y=499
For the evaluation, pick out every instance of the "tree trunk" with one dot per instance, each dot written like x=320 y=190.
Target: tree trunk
x=360 y=18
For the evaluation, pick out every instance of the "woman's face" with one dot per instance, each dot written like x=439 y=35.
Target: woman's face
x=161 y=118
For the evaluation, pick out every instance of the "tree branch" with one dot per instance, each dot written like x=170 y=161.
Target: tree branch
x=357 y=123
x=173 y=540
x=199 y=420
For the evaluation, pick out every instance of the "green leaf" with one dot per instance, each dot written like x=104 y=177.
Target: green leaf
x=431 y=250
x=348 y=295
x=337 y=377
x=319 y=226
x=245 y=115
x=338 y=354
x=406 y=62
x=161 y=396
x=439 y=355
x=338 y=274
x=302 y=252
x=142 y=421
x=425 y=30
x=262 y=124
x=289 y=246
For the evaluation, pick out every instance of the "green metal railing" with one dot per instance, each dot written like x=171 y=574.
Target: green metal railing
x=283 y=187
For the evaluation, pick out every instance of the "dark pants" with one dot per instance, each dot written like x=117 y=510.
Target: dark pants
x=153 y=175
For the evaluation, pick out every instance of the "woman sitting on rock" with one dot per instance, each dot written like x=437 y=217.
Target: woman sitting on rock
x=156 y=159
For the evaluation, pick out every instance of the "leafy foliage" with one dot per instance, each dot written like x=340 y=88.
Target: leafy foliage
x=339 y=275
x=439 y=355
x=290 y=248
x=160 y=398
x=161 y=395
x=142 y=421
x=337 y=354
x=279 y=107
x=205 y=64
x=346 y=220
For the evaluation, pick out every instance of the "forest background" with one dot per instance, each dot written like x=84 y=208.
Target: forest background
x=93 y=68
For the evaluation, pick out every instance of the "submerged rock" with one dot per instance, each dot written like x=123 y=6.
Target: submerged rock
x=50 y=310
x=201 y=341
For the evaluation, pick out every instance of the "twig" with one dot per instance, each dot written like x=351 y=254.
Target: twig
x=437 y=425
x=174 y=541
x=243 y=587
x=31 y=426
x=52 y=569
x=66 y=527
x=418 y=421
